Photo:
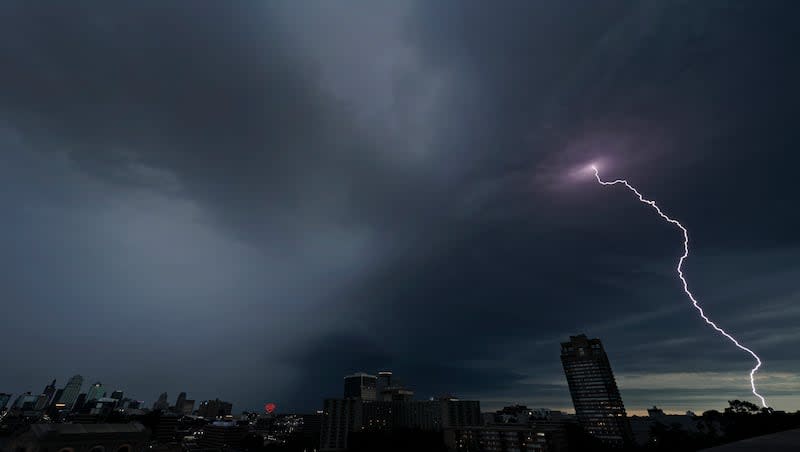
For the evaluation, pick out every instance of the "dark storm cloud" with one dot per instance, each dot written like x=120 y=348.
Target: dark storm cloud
x=211 y=94
x=682 y=98
x=173 y=129
x=373 y=185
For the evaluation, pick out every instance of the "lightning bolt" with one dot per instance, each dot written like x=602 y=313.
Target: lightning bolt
x=683 y=279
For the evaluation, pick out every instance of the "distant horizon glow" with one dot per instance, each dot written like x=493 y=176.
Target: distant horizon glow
x=653 y=204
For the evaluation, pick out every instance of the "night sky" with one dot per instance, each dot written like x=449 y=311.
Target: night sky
x=250 y=200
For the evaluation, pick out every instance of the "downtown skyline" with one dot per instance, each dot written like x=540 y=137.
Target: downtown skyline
x=249 y=201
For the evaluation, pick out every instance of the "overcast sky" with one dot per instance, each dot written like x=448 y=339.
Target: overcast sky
x=250 y=200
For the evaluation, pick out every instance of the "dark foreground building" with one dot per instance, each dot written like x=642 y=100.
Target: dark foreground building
x=79 y=438
x=598 y=404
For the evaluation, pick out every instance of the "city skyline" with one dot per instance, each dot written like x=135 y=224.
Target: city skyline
x=362 y=385
x=252 y=200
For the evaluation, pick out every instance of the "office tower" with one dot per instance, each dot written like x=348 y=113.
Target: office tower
x=179 y=402
x=183 y=406
x=360 y=386
x=41 y=402
x=133 y=404
x=79 y=402
x=211 y=409
x=26 y=401
x=598 y=404
x=396 y=394
x=187 y=407
x=4 y=398
x=49 y=391
x=56 y=397
x=161 y=404
x=339 y=418
x=460 y=413
x=96 y=391
x=222 y=435
x=384 y=381
x=71 y=391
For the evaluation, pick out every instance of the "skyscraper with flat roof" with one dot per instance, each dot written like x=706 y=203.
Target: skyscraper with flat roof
x=598 y=404
x=383 y=382
x=360 y=386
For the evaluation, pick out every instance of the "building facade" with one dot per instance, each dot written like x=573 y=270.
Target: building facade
x=4 y=398
x=598 y=403
x=96 y=391
x=460 y=413
x=221 y=435
x=384 y=381
x=360 y=386
x=212 y=409
x=50 y=391
x=71 y=391
x=340 y=417
x=504 y=438
x=79 y=438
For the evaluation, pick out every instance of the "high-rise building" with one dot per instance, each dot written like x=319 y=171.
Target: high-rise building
x=597 y=401
x=41 y=402
x=96 y=391
x=79 y=402
x=360 y=386
x=179 y=402
x=4 y=398
x=71 y=391
x=384 y=381
x=119 y=395
x=340 y=417
x=396 y=394
x=187 y=407
x=212 y=409
x=161 y=404
x=49 y=391
x=26 y=401
x=221 y=435
x=460 y=413
x=56 y=397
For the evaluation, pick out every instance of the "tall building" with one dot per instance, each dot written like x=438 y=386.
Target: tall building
x=340 y=417
x=222 y=435
x=50 y=391
x=212 y=409
x=4 y=398
x=183 y=406
x=360 y=386
x=41 y=402
x=96 y=391
x=161 y=404
x=26 y=401
x=384 y=381
x=52 y=409
x=396 y=394
x=179 y=402
x=598 y=404
x=460 y=413
x=187 y=408
x=71 y=391
x=79 y=402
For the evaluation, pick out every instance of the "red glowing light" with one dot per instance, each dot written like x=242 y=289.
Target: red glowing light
x=270 y=407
